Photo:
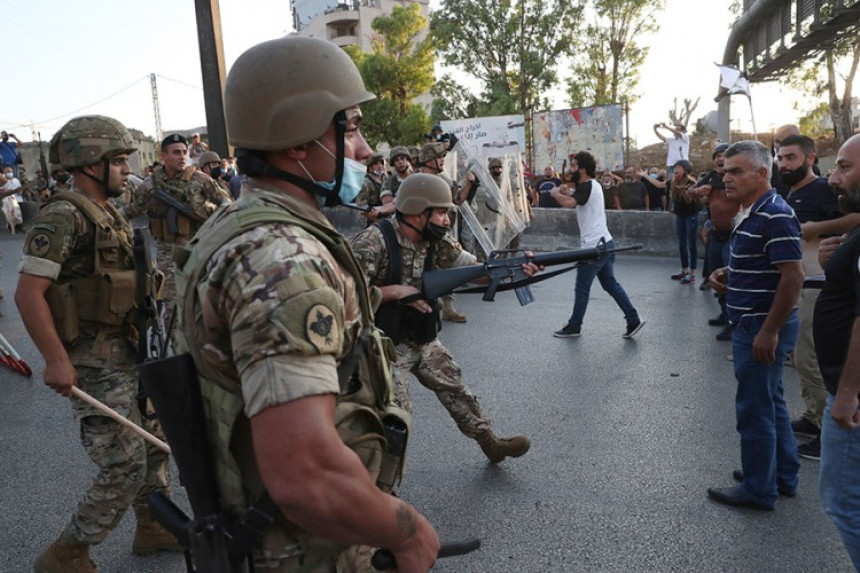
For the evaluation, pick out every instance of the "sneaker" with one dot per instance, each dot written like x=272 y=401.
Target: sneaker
x=725 y=334
x=678 y=277
x=705 y=285
x=810 y=450
x=804 y=426
x=719 y=321
x=688 y=279
x=567 y=332
x=633 y=328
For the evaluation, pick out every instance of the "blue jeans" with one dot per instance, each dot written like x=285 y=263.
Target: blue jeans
x=838 y=485
x=768 y=447
x=686 y=228
x=602 y=270
x=717 y=256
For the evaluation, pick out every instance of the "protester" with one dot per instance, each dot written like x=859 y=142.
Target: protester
x=685 y=205
x=762 y=283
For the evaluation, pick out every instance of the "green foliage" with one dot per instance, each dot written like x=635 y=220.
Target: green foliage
x=607 y=69
x=399 y=69
x=512 y=46
x=811 y=123
x=452 y=100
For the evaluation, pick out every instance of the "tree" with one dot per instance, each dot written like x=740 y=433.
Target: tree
x=512 y=46
x=452 y=100
x=808 y=78
x=399 y=69
x=682 y=117
x=607 y=70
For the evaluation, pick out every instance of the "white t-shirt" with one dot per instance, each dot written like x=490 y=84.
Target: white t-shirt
x=592 y=218
x=678 y=148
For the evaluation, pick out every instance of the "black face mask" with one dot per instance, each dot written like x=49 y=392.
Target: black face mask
x=63 y=178
x=792 y=178
x=217 y=172
x=433 y=232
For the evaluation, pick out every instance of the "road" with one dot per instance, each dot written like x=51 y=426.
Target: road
x=626 y=438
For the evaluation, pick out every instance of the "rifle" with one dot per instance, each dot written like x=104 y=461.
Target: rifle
x=216 y=541
x=357 y=207
x=175 y=207
x=43 y=164
x=383 y=559
x=505 y=272
x=153 y=342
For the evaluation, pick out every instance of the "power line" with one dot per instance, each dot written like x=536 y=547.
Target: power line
x=180 y=82
x=131 y=85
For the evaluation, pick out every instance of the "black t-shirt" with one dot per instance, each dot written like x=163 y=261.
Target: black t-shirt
x=837 y=308
x=544 y=186
x=655 y=194
x=815 y=201
x=583 y=192
x=713 y=179
x=632 y=194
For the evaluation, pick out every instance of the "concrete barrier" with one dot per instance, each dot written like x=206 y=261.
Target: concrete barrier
x=557 y=229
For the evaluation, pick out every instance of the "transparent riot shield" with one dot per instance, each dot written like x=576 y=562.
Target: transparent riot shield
x=492 y=215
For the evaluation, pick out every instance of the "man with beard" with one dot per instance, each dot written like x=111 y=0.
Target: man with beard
x=393 y=255
x=590 y=213
x=79 y=251
x=723 y=210
x=837 y=341
x=632 y=193
x=544 y=188
x=816 y=205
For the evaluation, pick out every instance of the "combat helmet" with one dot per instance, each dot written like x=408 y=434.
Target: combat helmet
x=89 y=139
x=375 y=158
x=396 y=152
x=422 y=191
x=494 y=162
x=208 y=157
x=285 y=92
x=431 y=151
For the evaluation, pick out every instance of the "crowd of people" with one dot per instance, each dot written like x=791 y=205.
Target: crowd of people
x=303 y=340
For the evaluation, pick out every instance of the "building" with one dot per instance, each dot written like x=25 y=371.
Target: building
x=345 y=23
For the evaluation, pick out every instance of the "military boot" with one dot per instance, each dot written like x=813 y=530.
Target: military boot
x=150 y=537
x=497 y=449
x=63 y=557
x=450 y=313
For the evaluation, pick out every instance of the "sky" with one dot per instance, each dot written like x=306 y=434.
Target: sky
x=97 y=59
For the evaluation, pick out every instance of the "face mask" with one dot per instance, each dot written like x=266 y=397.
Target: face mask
x=217 y=172
x=63 y=178
x=433 y=232
x=652 y=175
x=353 y=178
x=792 y=178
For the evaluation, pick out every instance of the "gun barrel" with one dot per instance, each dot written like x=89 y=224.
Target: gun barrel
x=572 y=256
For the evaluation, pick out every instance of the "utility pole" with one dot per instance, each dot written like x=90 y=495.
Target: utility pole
x=156 y=110
x=214 y=73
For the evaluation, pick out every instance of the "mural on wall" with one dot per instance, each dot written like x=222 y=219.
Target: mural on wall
x=597 y=130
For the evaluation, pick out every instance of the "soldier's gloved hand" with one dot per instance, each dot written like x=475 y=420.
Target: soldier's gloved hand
x=60 y=376
x=411 y=296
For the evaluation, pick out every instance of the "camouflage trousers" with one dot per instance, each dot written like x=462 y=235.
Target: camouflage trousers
x=129 y=467
x=434 y=367
x=292 y=559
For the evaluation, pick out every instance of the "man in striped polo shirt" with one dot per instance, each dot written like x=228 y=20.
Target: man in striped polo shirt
x=762 y=284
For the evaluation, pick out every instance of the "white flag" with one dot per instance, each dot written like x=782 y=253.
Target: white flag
x=732 y=79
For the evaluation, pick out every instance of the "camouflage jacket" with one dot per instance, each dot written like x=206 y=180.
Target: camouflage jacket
x=369 y=248
x=192 y=187
x=370 y=192
x=390 y=186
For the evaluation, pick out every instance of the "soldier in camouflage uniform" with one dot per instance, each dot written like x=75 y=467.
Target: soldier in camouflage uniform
x=421 y=224
x=82 y=325
x=372 y=186
x=190 y=187
x=273 y=303
x=431 y=159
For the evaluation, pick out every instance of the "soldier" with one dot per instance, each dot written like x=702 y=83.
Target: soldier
x=277 y=314
x=431 y=159
x=398 y=157
x=420 y=232
x=212 y=165
x=370 y=190
x=82 y=324
x=195 y=196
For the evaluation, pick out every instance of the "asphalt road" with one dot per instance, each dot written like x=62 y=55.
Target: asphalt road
x=626 y=438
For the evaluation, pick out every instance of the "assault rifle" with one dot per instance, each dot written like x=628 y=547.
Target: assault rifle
x=505 y=272
x=153 y=340
x=175 y=207
x=357 y=207
x=43 y=164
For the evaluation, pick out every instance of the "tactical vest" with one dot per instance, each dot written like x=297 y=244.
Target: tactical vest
x=367 y=420
x=105 y=300
x=178 y=188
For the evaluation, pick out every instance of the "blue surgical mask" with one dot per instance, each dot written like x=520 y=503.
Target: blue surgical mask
x=353 y=179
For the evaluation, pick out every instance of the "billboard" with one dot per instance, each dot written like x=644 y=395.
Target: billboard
x=487 y=137
x=597 y=130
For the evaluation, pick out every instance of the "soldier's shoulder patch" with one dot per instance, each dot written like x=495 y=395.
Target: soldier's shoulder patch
x=39 y=245
x=321 y=329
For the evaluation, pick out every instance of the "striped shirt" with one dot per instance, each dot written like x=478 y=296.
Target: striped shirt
x=767 y=236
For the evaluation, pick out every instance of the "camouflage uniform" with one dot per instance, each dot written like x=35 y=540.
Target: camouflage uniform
x=431 y=363
x=370 y=191
x=191 y=187
x=293 y=316
x=390 y=186
x=60 y=246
